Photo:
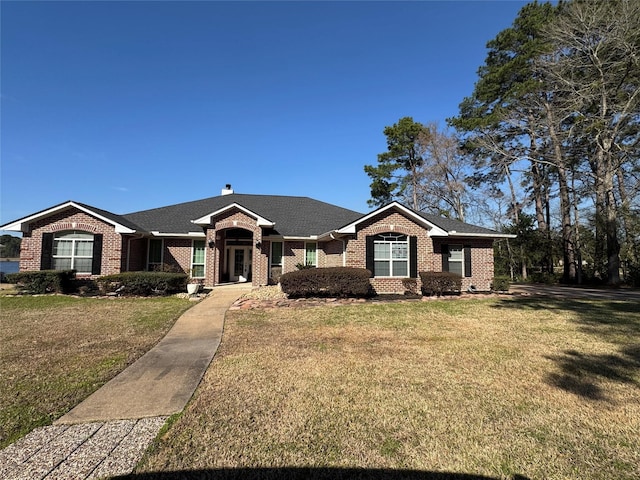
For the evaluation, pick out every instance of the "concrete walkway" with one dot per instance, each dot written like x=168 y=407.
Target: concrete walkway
x=107 y=433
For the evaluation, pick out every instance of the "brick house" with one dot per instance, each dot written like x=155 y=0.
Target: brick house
x=238 y=238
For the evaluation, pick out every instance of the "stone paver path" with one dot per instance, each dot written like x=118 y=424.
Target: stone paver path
x=81 y=451
x=108 y=433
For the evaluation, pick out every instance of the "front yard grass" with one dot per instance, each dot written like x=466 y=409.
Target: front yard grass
x=57 y=350
x=535 y=387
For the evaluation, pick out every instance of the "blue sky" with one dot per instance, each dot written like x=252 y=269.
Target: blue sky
x=133 y=105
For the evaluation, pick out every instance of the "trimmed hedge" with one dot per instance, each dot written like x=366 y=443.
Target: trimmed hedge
x=327 y=282
x=440 y=282
x=143 y=283
x=44 y=281
x=500 y=284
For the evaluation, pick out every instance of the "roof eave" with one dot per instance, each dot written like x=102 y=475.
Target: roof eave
x=434 y=230
x=22 y=225
x=157 y=233
x=260 y=221
x=454 y=234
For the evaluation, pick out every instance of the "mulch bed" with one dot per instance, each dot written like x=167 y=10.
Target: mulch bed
x=254 y=303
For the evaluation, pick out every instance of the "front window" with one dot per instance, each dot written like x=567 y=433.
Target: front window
x=276 y=254
x=197 y=259
x=154 y=260
x=456 y=259
x=391 y=255
x=310 y=254
x=73 y=251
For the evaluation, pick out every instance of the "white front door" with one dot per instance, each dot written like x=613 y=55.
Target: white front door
x=240 y=264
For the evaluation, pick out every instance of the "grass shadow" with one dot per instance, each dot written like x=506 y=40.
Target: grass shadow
x=582 y=374
x=616 y=322
x=291 y=473
x=608 y=319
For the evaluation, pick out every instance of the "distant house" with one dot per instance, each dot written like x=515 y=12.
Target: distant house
x=237 y=237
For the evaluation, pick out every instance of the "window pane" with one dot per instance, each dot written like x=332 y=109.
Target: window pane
x=455 y=252
x=197 y=271
x=455 y=267
x=400 y=250
x=198 y=251
x=381 y=250
x=310 y=258
x=82 y=265
x=155 y=251
x=84 y=248
x=276 y=253
x=62 y=247
x=61 y=264
x=400 y=268
x=382 y=268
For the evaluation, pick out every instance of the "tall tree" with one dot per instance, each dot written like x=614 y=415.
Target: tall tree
x=397 y=171
x=442 y=187
x=594 y=71
x=501 y=120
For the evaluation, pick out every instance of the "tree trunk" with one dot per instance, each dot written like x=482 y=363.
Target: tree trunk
x=611 y=226
x=568 y=247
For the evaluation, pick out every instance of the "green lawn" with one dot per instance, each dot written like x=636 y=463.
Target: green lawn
x=503 y=387
x=57 y=350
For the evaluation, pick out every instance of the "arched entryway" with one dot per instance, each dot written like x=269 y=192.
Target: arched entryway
x=237 y=255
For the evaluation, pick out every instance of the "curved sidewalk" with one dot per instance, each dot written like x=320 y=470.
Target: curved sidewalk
x=108 y=432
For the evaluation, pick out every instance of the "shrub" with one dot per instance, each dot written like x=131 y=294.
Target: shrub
x=544 y=277
x=440 y=282
x=410 y=286
x=327 y=282
x=43 y=281
x=633 y=275
x=143 y=283
x=303 y=266
x=500 y=284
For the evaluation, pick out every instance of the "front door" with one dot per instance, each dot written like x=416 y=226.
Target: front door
x=240 y=260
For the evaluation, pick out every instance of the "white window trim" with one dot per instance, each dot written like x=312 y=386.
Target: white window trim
x=59 y=237
x=461 y=260
x=204 y=262
x=391 y=259
x=315 y=244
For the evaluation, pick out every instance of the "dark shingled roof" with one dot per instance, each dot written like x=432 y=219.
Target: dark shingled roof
x=293 y=216
x=449 y=225
x=111 y=216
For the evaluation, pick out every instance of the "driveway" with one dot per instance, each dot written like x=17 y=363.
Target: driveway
x=557 y=291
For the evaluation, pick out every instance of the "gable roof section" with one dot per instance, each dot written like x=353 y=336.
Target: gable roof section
x=434 y=230
x=121 y=224
x=206 y=220
x=289 y=216
x=437 y=226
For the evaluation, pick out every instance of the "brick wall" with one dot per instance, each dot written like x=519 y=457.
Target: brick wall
x=137 y=254
x=332 y=252
x=481 y=260
x=293 y=255
x=429 y=252
x=177 y=253
x=113 y=250
x=389 y=222
x=235 y=218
